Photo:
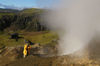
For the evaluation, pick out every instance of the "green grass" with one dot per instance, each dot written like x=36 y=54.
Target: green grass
x=6 y=13
x=4 y=39
x=43 y=39
x=2 y=14
x=36 y=37
x=31 y=10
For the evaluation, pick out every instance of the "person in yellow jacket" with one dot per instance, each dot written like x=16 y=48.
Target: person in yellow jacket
x=27 y=48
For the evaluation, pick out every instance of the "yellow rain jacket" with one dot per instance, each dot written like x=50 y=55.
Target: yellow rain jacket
x=26 y=49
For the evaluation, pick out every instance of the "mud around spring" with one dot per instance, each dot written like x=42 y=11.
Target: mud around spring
x=12 y=56
x=53 y=61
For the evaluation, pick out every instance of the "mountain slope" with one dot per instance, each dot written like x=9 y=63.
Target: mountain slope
x=8 y=10
x=27 y=19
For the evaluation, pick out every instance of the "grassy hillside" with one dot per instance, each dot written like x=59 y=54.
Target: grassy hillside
x=31 y=10
x=27 y=19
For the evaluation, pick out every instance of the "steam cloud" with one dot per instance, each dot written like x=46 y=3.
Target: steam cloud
x=76 y=21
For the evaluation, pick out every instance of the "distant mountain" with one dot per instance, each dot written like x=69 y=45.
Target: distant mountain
x=8 y=10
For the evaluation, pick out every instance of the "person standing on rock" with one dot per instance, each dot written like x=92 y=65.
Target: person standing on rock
x=27 y=48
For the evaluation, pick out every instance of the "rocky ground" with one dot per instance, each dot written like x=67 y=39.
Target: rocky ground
x=11 y=56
